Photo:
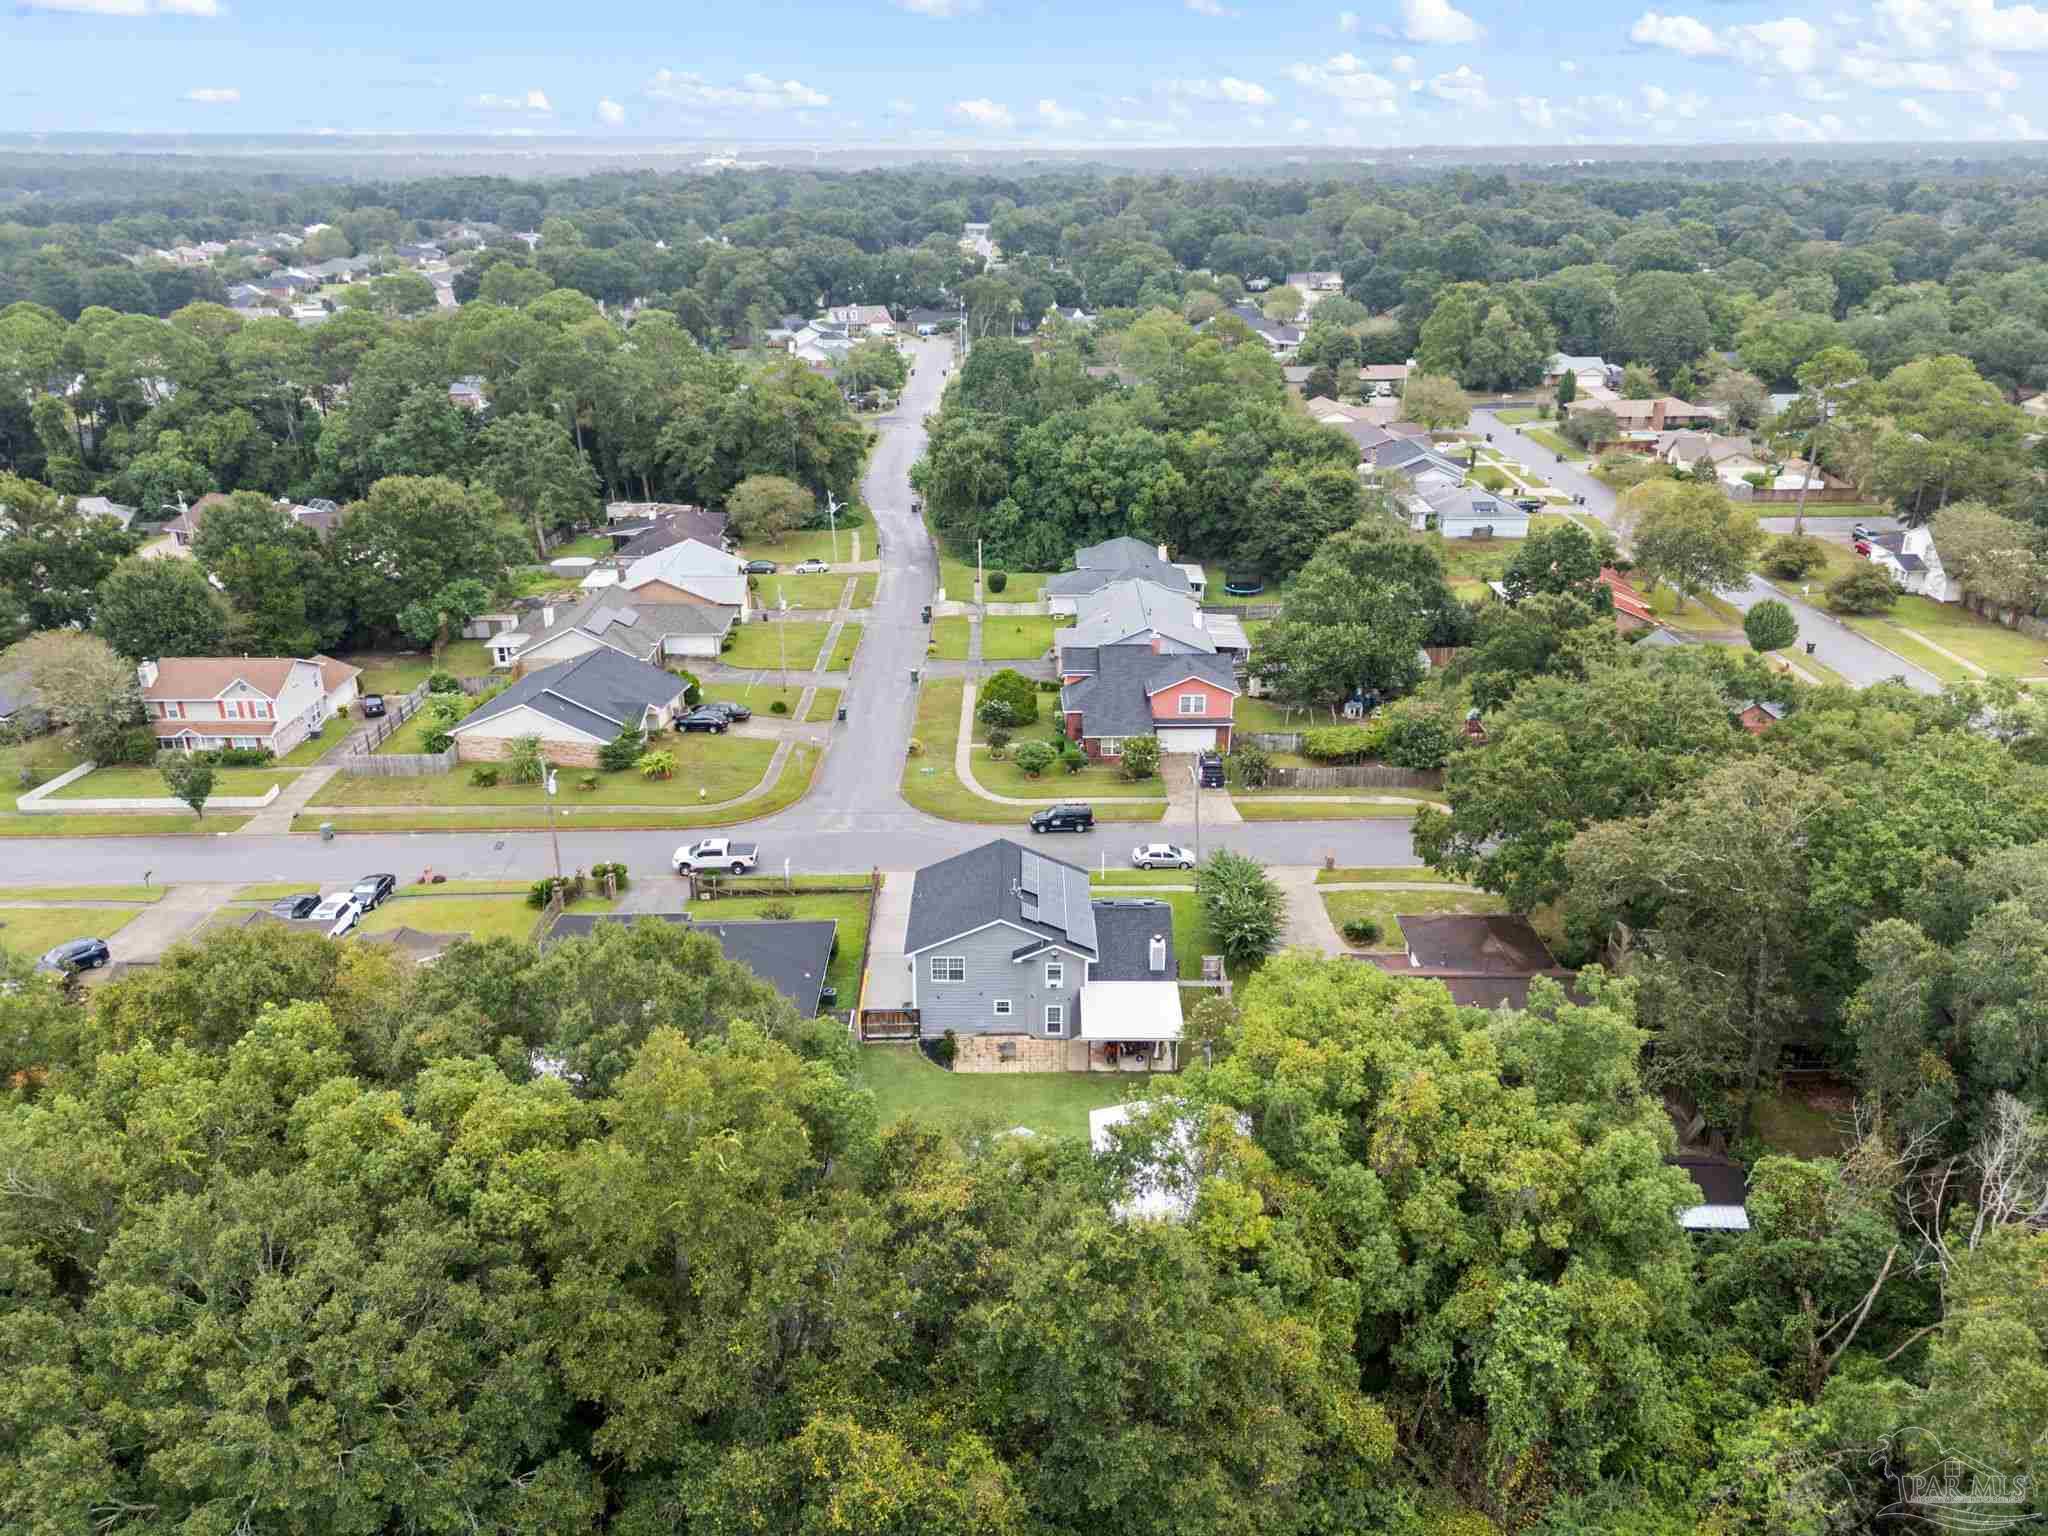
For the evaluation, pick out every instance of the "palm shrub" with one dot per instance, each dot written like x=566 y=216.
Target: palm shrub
x=523 y=760
x=1243 y=906
x=656 y=765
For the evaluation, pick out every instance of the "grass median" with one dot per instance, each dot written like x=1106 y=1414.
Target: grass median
x=841 y=659
x=930 y=784
x=776 y=645
x=725 y=766
x=119 y=826
x=31 y=931
x=1322 y=810
x=142 y=895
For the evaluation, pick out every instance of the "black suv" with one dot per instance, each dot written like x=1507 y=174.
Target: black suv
x=76 y=955
x=372 y=705
x=703 y=718
x=1211 y=776
x=293 y=908
x=371 y=890
x=1064 y=818
x=733 y=712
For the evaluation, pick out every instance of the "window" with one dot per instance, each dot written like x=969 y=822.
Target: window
x=1055 y=1018
x=1110 y=746
x=1194 y=703
x=1002 y=1008
x=1055 y=973
x=949 y=967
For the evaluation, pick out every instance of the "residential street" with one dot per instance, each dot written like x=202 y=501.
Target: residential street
x=853 y=819
x=1856 y=658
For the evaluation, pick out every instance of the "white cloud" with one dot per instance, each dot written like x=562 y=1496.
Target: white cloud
x=1812 y=88
x=1347 y=21
x=1209 y=8
x=984 y=113
x=1681 y=34
x=1568 y=66
x=2017 y=127
x=1536 y=112
x=124 y=7
x=1924 y=115
x=941 y=10
x=535 y=102
x=1886 y=74
x=1791 y=44
x=1050 y=111
x=1142 y=127
x=1300 y=125
x=901 y=106
x=214 y=95
x=1926 y=27
x=1462 y=85
x=756 y=91
x=1361 y=92
x=188 y=7
x=610 y=112
x=1437 y=21
x=1403 y=63
x=1243 y=93
x=1817 y=130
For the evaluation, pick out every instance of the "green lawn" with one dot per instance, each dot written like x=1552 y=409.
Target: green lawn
x=537 y=581
x=144 y=894
x=1050 y=1103
x=313 y=748
x=481 y=917
x=957 y=577
x=723 y=766
x=824 y=704
x=1388 y=907
x=1544 y=437
x=811 y=544
x=775 y=645
x=116 y=826
x=1786 y=1122
x=1142 y=876
x=790 y=786
x=33 y=931
x=593 y=546
x=1265 y=715
x=1015 y=639
x=847 y=909
x=930 y=784
x=759 y=697
x=1311 y=809
x=950 y=639
x=820 y=592
x=1516 y=415
x=1346 y=875
x=48 y=756
x=387 y=673
x=1704 y=613
x=147 y=783
x=410 y=737
x=1954 y=628
x=1216 y=597
x=841 y=659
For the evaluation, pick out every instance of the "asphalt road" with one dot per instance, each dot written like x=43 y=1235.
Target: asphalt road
x=853 y=819
x=1841 y=647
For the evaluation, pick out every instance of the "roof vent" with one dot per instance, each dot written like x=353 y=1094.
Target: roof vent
x=547 y=617
x=1158 y=954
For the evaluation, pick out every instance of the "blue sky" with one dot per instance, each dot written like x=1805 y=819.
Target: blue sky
x=1053 y=72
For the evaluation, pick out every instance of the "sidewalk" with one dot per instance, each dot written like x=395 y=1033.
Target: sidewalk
x=277 y=816
x=963 y=768
x=1308 y=923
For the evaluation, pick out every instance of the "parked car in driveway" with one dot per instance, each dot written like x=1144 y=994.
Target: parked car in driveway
x=811 y=567
x=372 y=705
x=293 y=908
x=1162 y=856
x=1072 y=817
x=338 y=913
x=703 y=718
x=733 y=712
x=75 y=955
x=759 y=567
x=1862 y=546
x=371 y=890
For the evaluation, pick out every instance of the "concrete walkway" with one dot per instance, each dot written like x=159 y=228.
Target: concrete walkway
x=1308 y=924
x=277 y=816
x=165 y=923
x=888 y=969
x=963 y=768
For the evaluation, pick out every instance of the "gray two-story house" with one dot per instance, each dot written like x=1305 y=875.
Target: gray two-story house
x=1009 y=954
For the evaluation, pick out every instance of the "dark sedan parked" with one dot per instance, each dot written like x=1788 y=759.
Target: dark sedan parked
x=759 y=567
x=373 y=705
x=76 y=955
x=702 y=720
x=292 y=908
x=371 y=890
x=734 y=712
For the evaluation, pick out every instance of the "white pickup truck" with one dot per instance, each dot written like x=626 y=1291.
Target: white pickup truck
x=717 y=854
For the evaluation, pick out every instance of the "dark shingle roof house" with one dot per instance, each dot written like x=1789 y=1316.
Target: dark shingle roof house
x=1723 y=1189
x=1116 y=700
x=1121 y=559
x=1001 y=882
x=790 y=955
x=594 y=695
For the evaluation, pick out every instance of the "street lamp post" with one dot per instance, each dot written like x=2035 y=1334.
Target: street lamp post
x=553 y=837
x=832 y=514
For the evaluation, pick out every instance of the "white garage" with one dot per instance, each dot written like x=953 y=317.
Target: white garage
x=1200 y=739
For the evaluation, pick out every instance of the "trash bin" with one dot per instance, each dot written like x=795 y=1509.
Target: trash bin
x=842 y=714
x=1809 y=647
x=927 y=613
x=326 y=831
x=913 y=674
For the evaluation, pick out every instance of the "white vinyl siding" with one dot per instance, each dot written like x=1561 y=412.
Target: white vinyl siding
x=1055 y=1018
x=949 y=967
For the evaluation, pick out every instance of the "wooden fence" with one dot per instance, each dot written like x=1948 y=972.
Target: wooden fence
x=2008 y=618
x=1355 y=776
x=1820 y=498
x=398 y=765
x=889 y=1023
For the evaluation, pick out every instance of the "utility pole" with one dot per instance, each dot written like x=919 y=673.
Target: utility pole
x=782 y=632
x=832 y=513
x=553 y=837
x=1197 y=771
x=980 y=589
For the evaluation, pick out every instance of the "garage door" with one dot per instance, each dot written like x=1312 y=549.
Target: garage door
x=1188 y=741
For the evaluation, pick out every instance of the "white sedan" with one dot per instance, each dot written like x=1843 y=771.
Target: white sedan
x=811 y=567
x=1162 y=856
x=338 y=913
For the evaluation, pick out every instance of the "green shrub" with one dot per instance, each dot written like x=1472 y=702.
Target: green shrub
x=1243 y=905
x=1343 y=743
x=1793 y=555
x=946 y=1048
x=1034 y=757
x=1362 y=931
x=1770 y=626
x=538 y=893
x=1866 y=590
x=1252 y=766
x=1012 y=689
x=999 y=737
x=523 y=760
x=693 y=689
x=483 y=778
x=1072 y=758
x=615 y=870
x=622 y=751
x=1140 y=759
x=129 y=748
x=656 y=765
x=778 y=708
x=781 y=911
x=443 y=682
x=437 y=741
x=1419 y=733
x=587 y=783
x=997 y=580
x=239 y=757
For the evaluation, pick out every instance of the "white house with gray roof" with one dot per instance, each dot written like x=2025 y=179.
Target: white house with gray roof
x=1122 y=559
x=612 y=620
x=1010 y=956
x=574 y=707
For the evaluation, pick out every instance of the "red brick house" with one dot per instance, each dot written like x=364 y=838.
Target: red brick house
x=1759 y=715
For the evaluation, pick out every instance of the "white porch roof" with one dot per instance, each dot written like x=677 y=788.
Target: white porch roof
x=1130 y=1010
x=1714 y=1218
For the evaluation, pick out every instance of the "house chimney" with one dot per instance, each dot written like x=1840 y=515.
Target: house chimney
x=547 y=617
x=146 y=674
x=1163 y=555
x=1657 y=414
x=1158 y=953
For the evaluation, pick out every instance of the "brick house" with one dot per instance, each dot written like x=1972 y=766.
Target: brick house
x=1759 y=715
x=574 y=707
x=1109 y=694
x=688 y=572
x=195 y=703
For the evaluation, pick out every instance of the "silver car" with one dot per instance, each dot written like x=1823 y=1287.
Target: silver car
x=338 y=913
x=1162 y=856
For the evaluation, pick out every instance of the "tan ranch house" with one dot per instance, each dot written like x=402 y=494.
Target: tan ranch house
x=196 y=703
x=574 y=707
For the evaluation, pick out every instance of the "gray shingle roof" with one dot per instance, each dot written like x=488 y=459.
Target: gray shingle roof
x=1117 y=701
x=595 y=694
x=1126 y=928
x=625 y=623
x=1120 y=559
x=1001 y=881
x=1124 y=609
x=790 y=955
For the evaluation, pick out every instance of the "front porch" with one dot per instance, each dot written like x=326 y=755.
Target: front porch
x=1127 y=1056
